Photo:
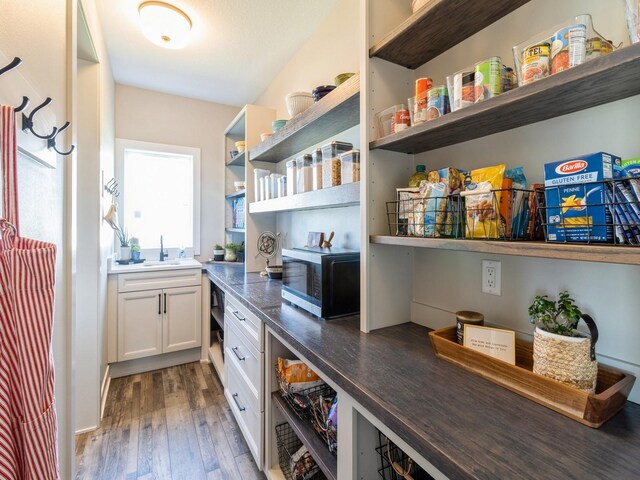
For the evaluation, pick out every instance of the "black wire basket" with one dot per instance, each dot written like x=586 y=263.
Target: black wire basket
x=324 y=427
x=395 y=464
x=288 y=445
x=300 y=401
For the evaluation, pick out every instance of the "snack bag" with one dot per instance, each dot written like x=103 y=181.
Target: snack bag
x=519 y=202
x=297 y=375
x=481 y=202
x=302 y=464
x=435 y=195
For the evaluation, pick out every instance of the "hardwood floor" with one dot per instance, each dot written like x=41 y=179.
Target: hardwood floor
x=167 y=424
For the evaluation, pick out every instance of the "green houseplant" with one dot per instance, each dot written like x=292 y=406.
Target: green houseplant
x=560 y=351
x=135 y=248
x=125 y=248
x=231 y=250
x=218 y=252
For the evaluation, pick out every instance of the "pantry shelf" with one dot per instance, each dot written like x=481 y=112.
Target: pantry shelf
x=336 y=112
x=239 y=194
x=627 y=255
x=318 y=450
x=437 y=27
x=237 y=161
x=235 y=230
x=340 y=196
x=569 y=91
x=215 y=356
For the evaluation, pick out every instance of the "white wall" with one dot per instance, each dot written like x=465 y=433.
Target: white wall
x=157 y=117
x=37 y=32
x=331 y=49
x=452 y=280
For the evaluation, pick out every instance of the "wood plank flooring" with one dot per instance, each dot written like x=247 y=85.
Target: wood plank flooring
x=167 y=424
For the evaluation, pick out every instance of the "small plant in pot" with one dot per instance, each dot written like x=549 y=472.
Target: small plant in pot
x=125 y=248
x=135 y=248
x=560 y=351
x=230 y=250
x=218 y=252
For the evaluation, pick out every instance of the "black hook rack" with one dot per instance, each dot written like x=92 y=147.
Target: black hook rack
x=14 y=63
x=51 y=141
x=27 y=121
x=112 y=188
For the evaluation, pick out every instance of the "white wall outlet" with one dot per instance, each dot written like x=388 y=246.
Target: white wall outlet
x=491 y=281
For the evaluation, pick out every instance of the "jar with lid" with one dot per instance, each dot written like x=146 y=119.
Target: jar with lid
x=282 y=186
x=292 y=177
x=273 y=181
x=417 y=177
x=305 y=182
x=263 y=192
x=259 y=173
x=316 y=169
x=350 y=166
x=331 y=168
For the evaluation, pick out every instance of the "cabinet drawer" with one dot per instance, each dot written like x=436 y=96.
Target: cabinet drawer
x=245 y=357
x=246 y=322
x=248 y=416
x=132 y=282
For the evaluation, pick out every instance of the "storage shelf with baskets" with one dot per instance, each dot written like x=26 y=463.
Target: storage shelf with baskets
x=395 y=464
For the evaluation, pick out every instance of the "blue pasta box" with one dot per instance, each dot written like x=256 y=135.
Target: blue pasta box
x=576 y=203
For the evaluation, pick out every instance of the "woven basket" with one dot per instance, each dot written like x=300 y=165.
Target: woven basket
x=566 y=359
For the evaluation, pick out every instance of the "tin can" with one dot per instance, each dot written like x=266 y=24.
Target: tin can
x=423 y=85
x=437 y=102
x=488 y=79
x=463 y=90
x=598 y=47
x=508 y=79
x=535 y=62
x=402 y=120
x=568 y=47
x=469 y=318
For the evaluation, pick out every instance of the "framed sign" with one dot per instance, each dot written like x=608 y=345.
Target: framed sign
x=495 y=342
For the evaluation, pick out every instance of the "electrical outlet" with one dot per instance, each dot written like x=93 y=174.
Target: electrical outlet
x=491 y=281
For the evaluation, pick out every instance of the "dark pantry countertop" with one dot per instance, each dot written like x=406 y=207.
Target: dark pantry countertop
x=466 y=426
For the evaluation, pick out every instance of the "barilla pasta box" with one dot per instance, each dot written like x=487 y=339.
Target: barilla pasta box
x=576 y=204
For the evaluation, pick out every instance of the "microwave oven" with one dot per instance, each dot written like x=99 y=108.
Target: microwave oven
x=322 y=281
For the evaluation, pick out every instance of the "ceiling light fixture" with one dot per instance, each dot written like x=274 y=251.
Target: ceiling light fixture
x=164 y=24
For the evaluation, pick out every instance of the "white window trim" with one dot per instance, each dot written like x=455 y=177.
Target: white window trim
x=123 y=144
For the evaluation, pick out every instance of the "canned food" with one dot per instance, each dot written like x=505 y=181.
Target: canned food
x=535 y=62
x=423 y=85
x=508 y=79
x=488 y=79
x=568 y=47
x=463 y=89
x=598 y=47
x=437 y=102
x=402 y=120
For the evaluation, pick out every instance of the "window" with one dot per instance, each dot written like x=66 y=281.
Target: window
x=160 y=187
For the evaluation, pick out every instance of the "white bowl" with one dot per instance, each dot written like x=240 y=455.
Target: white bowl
x=298 y=102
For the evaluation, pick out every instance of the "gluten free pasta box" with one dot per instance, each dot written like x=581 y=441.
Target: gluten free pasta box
x=576 y=205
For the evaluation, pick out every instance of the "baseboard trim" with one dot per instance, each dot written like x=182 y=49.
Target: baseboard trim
x=104 y=390
x=86 y=430
x=157 y=362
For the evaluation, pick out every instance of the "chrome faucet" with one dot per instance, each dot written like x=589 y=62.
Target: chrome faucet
x=163 y=255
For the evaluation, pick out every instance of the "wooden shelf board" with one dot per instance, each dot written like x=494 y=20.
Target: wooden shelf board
x=336 y=112
x=570 y=91
x=215 y=355
x=241 y=193
x=438 y=26
x=325 y=460
x=340 y=196
x=235 y=230
x=627 y=255
x=237 y=161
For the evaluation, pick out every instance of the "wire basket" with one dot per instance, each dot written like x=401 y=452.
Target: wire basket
x=395 y=464
x=504 y=214
x=606 y=211
x=300 y=401
x=320 y=408
x=288 y=445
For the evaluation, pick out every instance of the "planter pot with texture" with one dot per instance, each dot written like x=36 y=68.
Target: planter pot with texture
x=218 y=255
x=125 y=253
x=230 y=255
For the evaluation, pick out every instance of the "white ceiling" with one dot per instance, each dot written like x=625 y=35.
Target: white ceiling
x=238 y=46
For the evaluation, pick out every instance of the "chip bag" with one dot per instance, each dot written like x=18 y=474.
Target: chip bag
x=481 y=202
x=297 y=375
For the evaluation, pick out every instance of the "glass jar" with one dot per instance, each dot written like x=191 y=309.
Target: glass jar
x=282 y=186
x=273 y=184
x=350 y=166
x=292 y=177
x=262 y=194
x=316 y=169
x=305 y=182
x=417 y=177
x=331 y=169
x=259 y=173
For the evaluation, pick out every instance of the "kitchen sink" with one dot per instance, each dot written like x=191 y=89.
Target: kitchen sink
x=172 y=263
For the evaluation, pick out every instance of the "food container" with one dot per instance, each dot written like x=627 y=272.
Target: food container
x=240 y=146
x=331 y=166
x=298 y=102
x=259 y=173
x=509 y=80
x=268 y=194
x=305 y=181
x=316 y=169
x=350 y=166
x=263 y=192
x=401 y=120
x=597 y=47
x=487 y=79
x=422 y=87
x=282 y=186
x=437 y=102
x=568 y=47
x=273 y=184
x=466 y=317
x=461 y=88
x=292 y=177
x=386 y=120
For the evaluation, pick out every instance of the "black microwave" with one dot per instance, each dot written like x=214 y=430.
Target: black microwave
x=323 y=281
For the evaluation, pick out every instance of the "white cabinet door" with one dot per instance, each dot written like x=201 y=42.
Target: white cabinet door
x=182 y=321
x=139 y=324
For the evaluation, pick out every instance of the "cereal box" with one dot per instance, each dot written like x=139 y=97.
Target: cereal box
x=576 y=205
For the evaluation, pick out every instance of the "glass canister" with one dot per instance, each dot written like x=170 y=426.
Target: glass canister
x=292 y=177
x=331 y=169
x=273 y=184
x=268 y=194
x=305 y=181
x=316 y=169
x=350 y=166
x=262 y=191
x=259 y=173
x=282 y=186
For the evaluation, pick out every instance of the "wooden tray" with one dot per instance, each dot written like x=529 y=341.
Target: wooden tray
x=612 y=389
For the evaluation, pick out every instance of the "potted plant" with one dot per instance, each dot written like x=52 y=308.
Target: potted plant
x=135 y=248
x=125 y=248
x=560 y=351
x=230 y=250
x=218 y=252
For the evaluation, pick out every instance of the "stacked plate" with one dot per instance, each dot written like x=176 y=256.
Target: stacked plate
x=319 y=92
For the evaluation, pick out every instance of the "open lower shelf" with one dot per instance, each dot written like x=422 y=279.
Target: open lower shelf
x=318 y=450
x=628 y=255
x=569 y=91
x=438 y=26
x=336 y=112
x=340 y=196
x=215 y=355
x=234 y=230
x=239 y=194
x=237 y=161
x=218 y=315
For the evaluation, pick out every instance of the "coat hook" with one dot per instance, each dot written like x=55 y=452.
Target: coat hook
x=27 y=121
x=51 y=141
x=23 y=105
x=14 y=63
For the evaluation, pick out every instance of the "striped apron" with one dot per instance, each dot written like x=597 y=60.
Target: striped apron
x=28 y=432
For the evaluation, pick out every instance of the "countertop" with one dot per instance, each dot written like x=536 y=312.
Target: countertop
x=466 y=426
x=153 y=266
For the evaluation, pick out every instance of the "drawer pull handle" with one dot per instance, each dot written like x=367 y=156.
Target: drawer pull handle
x=165 y=303
x=235 y=399
x=235 y=350
x=159 y=304
x=239 y=317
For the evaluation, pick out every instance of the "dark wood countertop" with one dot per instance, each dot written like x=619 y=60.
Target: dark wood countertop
x=466 y=426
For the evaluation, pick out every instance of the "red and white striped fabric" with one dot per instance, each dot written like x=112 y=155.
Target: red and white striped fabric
x=28 y=432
